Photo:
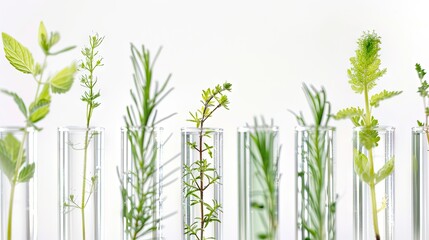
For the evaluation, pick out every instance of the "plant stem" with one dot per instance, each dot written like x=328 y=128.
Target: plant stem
x=321 y=162
x=82 y=208
x=13 y=185
x=201 y=184
x=374 y=199
x=9 y=225
x=371 y=160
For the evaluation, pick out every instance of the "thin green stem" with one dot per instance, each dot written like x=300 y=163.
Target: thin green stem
x=9 y=219
x=201 y=183
x=13 y=185
x=39 y=82
x=374 y=211
x=83 y=200
x=371 y=160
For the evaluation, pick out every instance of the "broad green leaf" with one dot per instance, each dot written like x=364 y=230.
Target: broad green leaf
x=9 y=152
x=377 y=98
x=362 y=166
x=7 y=166
x=349 y=113
x=43 y=38
x=18 y=100
x=63 y=80
x=385 y=171
x=26 y=173
x=18 y=55
x=39 y=110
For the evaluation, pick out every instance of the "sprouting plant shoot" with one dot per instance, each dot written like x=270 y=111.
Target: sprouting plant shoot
x=12 y=152
x=363 y=74
x=319 y=173
x=423 y=91
x=265 y=160
x=88 y=80
x=140 y=187
x=202 y=175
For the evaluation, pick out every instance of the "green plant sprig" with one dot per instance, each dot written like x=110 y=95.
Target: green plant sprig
x=12 y=153
x=423 y=91
x=139 y=187
x=317 y=157
x=201 y=170
x=265 y=160
x=88 y=80
x=363 y=74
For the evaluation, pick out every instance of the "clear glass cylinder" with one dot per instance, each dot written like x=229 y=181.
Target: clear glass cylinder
x=19 y=219
x=315 y=178
x=258 y=178
x=420 y=182
x=141 y=183
x=384 y=194
x=202 y=183
x=81 y=153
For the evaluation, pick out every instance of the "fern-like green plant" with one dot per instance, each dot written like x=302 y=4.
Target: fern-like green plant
x=140 y=187
x=264 y=160
x=363 y=76
x=318 y=213
x=201 y=174
x=12 y=152
x=88 y=80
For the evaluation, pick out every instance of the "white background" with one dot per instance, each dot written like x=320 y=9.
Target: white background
x=266 y=49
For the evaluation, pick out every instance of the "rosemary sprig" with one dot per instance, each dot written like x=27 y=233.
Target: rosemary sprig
x=319 y=208
x=12 y=152
x=201 y=170
x=265 y=160
x=140 y=187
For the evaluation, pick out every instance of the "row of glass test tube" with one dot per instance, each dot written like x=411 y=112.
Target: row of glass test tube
x=258 y=188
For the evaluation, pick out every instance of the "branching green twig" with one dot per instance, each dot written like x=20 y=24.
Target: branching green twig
x=363 y=75
x=320 y=224
x=140 y=187
x=88 y=80
x=12 y=152
x=265 y=159
x=201 y=174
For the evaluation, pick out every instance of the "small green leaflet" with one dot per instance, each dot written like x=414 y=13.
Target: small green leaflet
x=369 y=137
x=420 y=71
x=43 y=38
x=385 y=171
x=9 y=151
x=18 y=100
x=377 y=98
x=26 y=173
x=63 y=80
x=18 y=55
x=362 y=166
x=349 y=113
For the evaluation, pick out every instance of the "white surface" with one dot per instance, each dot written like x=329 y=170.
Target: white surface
x=266 y=49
